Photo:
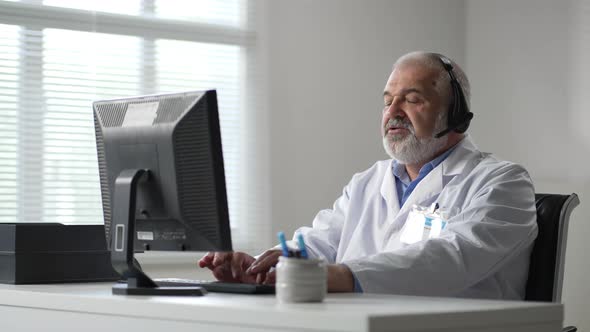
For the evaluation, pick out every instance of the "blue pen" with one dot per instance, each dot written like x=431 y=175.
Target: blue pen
x=302 y=246
x=284 y=244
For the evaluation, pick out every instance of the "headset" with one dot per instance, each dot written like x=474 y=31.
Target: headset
x=459 y=117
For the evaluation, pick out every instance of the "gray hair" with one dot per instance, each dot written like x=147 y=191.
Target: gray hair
x=443 y=82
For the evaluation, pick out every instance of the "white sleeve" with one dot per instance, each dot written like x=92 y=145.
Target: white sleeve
x=498 y=223
x=323 y=238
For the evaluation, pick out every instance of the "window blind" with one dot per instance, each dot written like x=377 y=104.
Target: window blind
x=57 y=56
x=9 y=94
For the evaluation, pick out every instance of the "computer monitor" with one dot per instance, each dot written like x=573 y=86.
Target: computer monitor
x=162 y=180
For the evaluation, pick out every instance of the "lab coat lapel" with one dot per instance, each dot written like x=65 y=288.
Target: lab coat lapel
x=389 y=191
x=460 y=161
x=432 y=185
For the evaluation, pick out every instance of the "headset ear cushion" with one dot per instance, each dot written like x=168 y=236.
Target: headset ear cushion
x=458 y=117
x=466 y=122
x=462 y=116
x=454 y=115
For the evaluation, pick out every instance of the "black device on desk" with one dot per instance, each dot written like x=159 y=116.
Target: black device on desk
x=162 y=181
x=216 y=286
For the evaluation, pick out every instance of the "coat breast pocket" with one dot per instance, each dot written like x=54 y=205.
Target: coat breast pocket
x=422 y=224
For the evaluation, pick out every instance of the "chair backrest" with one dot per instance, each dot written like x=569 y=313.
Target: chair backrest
x=548 y=256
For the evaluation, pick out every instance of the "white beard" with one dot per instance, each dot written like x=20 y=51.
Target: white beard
x=411 y=150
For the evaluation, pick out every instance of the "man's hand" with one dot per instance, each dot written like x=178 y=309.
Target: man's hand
x=229 y=266
x=340 y=278
x=241 y=267
x=262 y=266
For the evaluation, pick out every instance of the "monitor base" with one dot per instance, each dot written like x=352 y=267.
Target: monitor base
x=122 y=238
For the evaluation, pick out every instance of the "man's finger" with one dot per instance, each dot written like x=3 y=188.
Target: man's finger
x=223 y=273
x=218 y=273
x=263 y=264
x=206 y=260
x=265 y=254
x=236 y=267
x=221 y=257
x=271 y=278
x=268 y=257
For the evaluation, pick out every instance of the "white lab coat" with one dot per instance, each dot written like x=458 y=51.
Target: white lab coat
x=482 y=253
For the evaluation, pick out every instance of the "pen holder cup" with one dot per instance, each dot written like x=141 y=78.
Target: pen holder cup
x=300 y=280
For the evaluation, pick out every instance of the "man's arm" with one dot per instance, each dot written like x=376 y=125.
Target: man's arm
x=340 y=278
x=323 y=238
x=498 y=224
x=321 y=241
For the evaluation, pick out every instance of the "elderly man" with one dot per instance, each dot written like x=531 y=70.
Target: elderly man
x=481 y=251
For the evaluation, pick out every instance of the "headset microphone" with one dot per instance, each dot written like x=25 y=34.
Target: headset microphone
x=443 y=133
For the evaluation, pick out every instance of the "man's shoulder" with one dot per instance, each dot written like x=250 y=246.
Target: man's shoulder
x=489 y=163
x=492 y=173
x=498 y=166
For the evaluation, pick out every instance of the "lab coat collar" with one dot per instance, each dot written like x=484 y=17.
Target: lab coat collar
x=430 y=186
x=464 y=154
x=388 y=189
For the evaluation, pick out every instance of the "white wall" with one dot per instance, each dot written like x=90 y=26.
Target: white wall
x=528 y=65
x=527 y=60
x=328 y=63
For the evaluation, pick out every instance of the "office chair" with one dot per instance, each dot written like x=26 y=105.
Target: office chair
x=547 y=263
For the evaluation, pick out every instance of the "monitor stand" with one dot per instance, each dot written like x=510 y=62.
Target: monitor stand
x=122 y=237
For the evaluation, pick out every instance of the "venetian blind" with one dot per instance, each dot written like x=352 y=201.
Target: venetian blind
x=57 y=56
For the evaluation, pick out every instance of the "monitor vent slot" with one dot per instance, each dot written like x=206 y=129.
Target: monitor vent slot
x=104 y=184
x=194 y=173
x=111 y=114
x=171 y=109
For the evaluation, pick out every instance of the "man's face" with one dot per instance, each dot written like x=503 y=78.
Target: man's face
x=413 y=113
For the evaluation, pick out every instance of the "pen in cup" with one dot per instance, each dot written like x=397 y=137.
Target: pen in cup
x=284 y=244
x=302 y=246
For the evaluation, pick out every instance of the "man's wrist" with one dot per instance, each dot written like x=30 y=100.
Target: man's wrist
x=340 y=278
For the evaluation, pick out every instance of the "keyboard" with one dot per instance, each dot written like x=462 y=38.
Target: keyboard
x=217 y=286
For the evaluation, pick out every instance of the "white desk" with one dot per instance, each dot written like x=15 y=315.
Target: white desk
x=92 y=307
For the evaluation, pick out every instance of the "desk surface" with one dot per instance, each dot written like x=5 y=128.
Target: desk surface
x=232 y=312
